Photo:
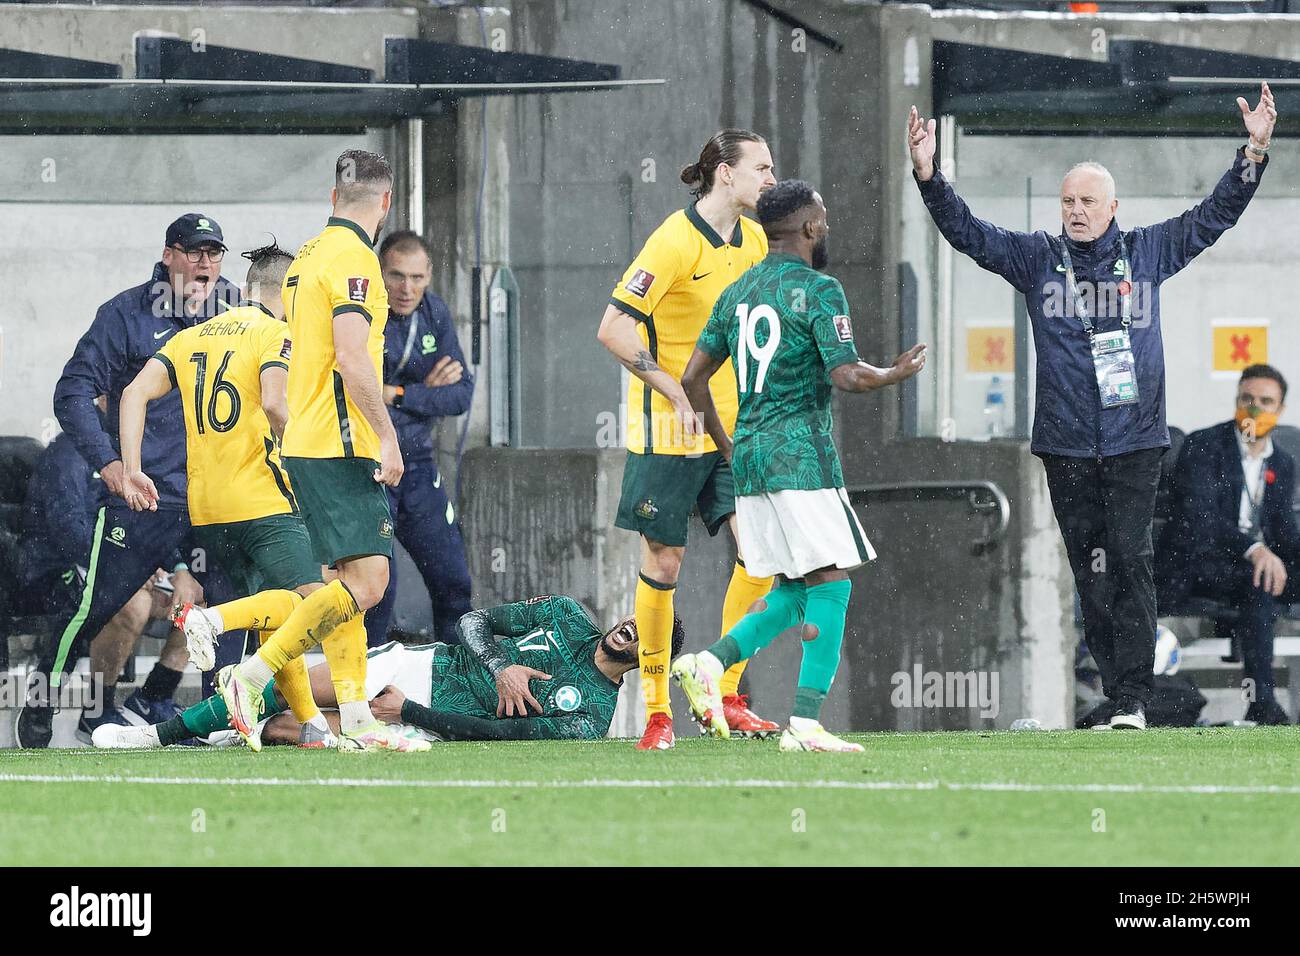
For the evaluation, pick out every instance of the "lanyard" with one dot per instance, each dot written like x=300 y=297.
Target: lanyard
x=1125 y=298
x=410 y=343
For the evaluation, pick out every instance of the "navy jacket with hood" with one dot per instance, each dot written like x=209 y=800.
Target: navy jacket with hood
x=128 y=329
x=1068 y=417
x=432 y=335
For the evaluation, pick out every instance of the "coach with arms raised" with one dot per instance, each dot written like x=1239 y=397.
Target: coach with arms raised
x=1092 y=295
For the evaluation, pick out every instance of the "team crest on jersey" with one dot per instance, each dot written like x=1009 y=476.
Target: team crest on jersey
x=358 y=286
x=117 y=536
x=647 y=509
x=428 y=343
x=843 y=328
x=385 y=528
x=568 y=698
x=640 y=283
x=285 y=349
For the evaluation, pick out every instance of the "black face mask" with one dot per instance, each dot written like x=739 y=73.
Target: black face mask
x=820 y=254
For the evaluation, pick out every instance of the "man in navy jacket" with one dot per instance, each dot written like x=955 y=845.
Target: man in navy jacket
x=127 y=547
x=1232 y=534
x=425 y=379
x=1092 y=295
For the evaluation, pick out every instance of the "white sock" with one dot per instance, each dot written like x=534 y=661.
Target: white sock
x=214 y=616
x=257 y=672
x=151 y=732
x=355 y=715
x=710 y=663
x=319 y=721
x=803 y=724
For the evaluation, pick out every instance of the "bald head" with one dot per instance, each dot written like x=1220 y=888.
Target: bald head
x=1088 y=201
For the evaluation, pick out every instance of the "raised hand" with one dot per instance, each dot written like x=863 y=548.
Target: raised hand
x=909 y=363
x=921 y=142
x=1259 y=121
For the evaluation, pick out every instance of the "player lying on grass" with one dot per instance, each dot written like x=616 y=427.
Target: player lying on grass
x=536 y=670
x=787 y=327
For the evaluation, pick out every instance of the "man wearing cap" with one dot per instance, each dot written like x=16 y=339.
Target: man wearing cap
x=128 y=547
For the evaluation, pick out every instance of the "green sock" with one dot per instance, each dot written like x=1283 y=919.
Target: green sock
x=209 y=716
x=756 y=630
x=808 y=702
x=826 y=608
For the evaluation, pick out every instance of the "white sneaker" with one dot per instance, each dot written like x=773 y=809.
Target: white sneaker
x=816 y=738
x=124 y=737
x=200 y=632
x=698 y=676
x=379 y=736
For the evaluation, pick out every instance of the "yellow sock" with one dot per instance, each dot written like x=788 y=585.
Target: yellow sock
x=654 y=630
x=743 y=591
x=263 y=611
x=345 y=650
x=292 y=682
x=316 y=618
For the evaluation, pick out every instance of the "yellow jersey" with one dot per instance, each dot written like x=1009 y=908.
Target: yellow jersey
x=232 y=461
x=670 y=288
x=334 y=273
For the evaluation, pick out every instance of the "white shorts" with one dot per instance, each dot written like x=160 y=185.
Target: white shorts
x=409 y=669
x=794 y=532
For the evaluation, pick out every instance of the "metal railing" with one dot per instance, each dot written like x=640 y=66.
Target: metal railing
x=985 y=498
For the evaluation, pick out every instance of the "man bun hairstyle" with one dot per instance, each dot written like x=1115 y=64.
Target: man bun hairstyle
x=1261 y=370
x=784 y=199
x=361 y=175
x=723 y=147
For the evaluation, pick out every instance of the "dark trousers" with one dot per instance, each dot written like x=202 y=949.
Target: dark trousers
x=128 y=547
x=1104 y=509
x=426 y=526
x=1258 y=611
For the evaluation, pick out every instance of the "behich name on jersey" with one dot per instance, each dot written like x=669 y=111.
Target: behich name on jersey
x=74 y=908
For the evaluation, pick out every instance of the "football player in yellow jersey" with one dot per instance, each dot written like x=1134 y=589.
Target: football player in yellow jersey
x=651 y=324
x=231 y=374
x=340 y=449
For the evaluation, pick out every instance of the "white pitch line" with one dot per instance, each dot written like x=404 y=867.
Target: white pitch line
x=599 y=784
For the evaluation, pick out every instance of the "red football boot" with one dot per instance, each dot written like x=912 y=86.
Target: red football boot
x=658 y=733
x=743 y=721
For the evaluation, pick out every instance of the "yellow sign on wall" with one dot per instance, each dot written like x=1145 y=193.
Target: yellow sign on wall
x=1238 y=343
x=990 y=348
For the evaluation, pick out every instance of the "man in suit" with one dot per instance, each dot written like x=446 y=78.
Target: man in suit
x=1232 y=534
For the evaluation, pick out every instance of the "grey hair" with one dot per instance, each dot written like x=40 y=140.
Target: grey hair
x=1100 y=170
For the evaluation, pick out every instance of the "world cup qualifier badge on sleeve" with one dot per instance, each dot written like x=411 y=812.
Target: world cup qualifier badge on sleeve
x=640 y=283
x=358 y=287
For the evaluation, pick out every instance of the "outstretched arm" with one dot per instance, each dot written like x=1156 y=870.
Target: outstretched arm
x=861 y=377
x=1001 y=251
x=1177 y=241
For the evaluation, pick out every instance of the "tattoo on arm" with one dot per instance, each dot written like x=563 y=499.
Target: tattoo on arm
x=644 y=362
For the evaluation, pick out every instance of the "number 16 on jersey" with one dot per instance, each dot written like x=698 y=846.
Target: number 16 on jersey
x=747 y=344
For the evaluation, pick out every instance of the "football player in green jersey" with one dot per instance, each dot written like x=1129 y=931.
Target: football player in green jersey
x=539 y=669
x=786 y=326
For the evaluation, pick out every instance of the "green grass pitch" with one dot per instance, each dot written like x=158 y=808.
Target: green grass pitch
x=1187 y=797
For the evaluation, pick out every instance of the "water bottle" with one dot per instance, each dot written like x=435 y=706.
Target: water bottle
x=995 y=410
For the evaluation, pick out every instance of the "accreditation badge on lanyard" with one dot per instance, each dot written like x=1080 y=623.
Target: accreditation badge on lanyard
x=1112 y=352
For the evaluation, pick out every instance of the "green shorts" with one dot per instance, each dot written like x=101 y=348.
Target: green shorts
x=344 y=508
x=269 y=553
x=661 y=491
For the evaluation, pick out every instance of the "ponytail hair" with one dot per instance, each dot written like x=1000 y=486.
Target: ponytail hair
x=723 y=147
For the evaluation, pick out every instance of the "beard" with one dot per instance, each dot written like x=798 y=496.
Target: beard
x=821 y=254
x=627 y=655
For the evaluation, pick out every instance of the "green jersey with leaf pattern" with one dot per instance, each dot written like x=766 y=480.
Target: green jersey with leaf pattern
x=785 y=326
x=552 y=634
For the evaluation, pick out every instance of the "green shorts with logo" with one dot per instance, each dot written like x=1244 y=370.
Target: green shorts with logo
x=661 y=491
x=269 y=553
x=344 y=508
